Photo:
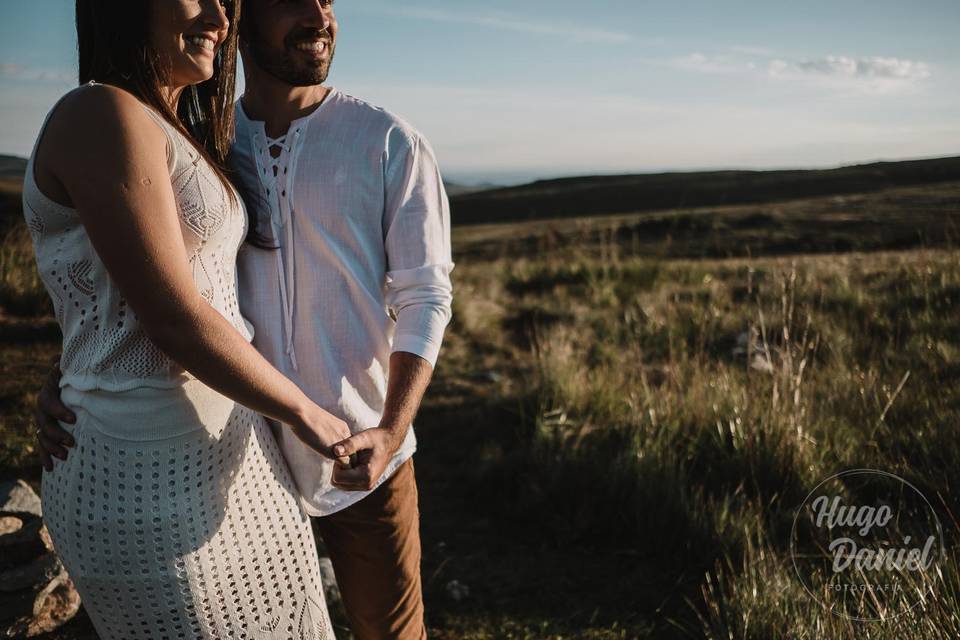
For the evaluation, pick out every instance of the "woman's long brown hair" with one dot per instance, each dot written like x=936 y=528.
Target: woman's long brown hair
x=114 y=48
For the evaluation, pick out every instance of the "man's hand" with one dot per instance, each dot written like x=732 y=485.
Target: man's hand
x=51 y=437
x=370 y=451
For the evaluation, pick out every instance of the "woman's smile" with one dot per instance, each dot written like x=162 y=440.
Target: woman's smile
x=205 y=42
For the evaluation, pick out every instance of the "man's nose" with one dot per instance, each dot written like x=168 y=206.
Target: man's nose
x=318 y=13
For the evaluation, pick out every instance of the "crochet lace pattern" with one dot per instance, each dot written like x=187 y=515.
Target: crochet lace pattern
x=104 y=346
x=175 y=513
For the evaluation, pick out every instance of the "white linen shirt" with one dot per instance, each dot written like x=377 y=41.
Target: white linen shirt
x=357 y=206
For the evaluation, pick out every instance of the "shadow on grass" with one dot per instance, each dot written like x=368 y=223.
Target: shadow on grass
x=521 y=531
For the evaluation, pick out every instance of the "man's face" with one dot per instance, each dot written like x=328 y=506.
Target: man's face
x=292 y=40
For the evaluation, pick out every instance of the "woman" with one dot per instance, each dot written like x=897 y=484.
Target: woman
x=175 y=515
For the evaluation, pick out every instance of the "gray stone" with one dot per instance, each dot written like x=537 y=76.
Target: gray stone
x=457 y=591
x=330 y=588
x=36 y=594
x=54 y=606
x=16 y=496
x=10 y=524
x=23 y=543
x=749 y=345
x=39 y=571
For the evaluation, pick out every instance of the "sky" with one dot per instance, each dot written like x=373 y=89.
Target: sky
x=509 y=91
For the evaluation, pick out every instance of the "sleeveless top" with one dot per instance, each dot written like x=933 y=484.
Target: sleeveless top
x=104 y=345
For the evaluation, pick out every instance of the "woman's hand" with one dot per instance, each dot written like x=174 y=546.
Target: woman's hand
x=320 y=430
x=52 y=439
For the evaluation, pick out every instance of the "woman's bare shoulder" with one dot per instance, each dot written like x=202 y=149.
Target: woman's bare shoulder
x=92 y=100
x=103 y=118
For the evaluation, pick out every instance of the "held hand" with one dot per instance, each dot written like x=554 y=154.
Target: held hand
x=321 y=429
x=369 y=451
x=51 y=437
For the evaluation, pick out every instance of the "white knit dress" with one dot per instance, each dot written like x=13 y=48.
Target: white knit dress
x=175 y=513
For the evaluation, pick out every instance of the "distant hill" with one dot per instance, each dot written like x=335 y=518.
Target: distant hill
x=634 y=193
x=595 y=195
x=457 y=189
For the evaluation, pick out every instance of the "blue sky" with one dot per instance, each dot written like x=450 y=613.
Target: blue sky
x=508 y=91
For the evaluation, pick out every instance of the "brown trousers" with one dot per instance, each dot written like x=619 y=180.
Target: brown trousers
x=374 y=546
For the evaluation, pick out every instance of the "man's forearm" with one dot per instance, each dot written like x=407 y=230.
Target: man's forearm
x=409 y=376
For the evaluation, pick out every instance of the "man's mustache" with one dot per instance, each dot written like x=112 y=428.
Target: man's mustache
x=312 y=35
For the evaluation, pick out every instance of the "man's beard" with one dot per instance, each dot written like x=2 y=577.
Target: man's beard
x=281 y=66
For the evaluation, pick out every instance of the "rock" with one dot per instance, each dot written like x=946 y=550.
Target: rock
x=749 y=344
x=16 y=496
x=24 y=543
x=53 y=607
x=27 y=568
x=16 y=605
x=10 y=524
x=36 y=594
x=749 y=340
x=762 y=363
x=40 y=570
x=330 y=587
x=457 y=591
x=20 y=524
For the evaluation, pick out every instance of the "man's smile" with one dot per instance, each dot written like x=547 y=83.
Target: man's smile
x=313 y=48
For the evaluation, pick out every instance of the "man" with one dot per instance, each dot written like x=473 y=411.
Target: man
x=352 y=198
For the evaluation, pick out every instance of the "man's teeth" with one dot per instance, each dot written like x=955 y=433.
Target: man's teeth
x=311 y=46
x=200 y=41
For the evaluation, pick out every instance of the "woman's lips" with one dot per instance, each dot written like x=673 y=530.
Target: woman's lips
x=203 y=42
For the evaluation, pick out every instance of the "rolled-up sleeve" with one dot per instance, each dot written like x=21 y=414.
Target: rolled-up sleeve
x=417 y=242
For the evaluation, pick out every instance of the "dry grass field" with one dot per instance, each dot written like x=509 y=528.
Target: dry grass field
x=628 y=410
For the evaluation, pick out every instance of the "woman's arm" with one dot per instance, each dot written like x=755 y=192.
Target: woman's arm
x=110 y=158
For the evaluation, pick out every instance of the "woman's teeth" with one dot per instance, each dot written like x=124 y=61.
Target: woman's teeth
x=316 y=47
x=200 y=41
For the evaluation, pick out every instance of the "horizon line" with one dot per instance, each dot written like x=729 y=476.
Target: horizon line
x=553 y=174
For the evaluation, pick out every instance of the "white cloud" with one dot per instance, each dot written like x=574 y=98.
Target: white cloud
x=506 y=22
x=842 y=74
x=843 y=66
x=869 y=75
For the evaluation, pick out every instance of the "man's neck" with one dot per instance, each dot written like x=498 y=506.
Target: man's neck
x=277 y=104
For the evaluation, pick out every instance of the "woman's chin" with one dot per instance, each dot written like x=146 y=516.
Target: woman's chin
x=196 y=75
